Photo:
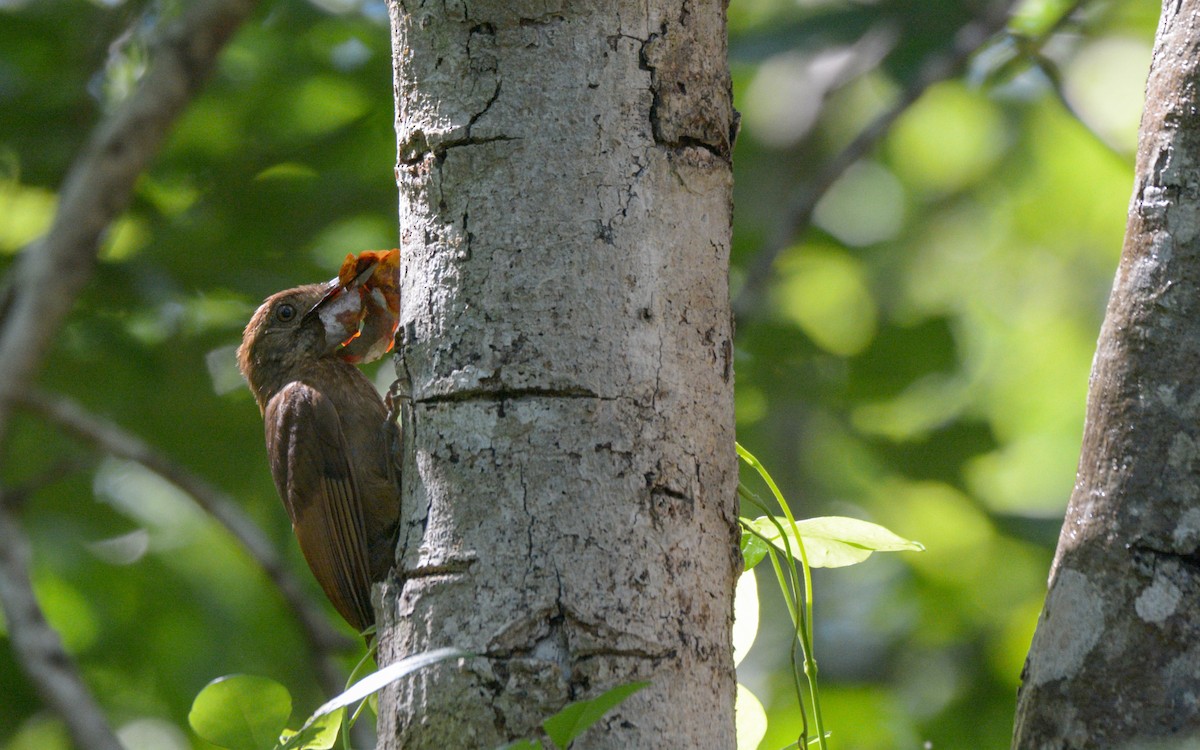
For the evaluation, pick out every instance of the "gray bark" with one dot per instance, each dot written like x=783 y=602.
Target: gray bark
x=569 y=478
x=1115 y=661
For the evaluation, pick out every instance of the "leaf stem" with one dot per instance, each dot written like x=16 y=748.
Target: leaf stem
x=802 y=618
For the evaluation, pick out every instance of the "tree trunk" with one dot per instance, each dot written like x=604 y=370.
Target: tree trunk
x=569 y=477
x=1115 y=661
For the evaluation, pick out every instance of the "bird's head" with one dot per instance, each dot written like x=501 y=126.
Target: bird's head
x=295 y=327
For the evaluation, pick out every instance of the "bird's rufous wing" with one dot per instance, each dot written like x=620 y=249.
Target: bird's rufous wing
x=311 y=466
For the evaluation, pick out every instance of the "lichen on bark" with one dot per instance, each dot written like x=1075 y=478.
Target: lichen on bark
x=1115 y=658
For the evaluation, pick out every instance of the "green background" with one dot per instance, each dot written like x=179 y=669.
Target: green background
x=919 y=356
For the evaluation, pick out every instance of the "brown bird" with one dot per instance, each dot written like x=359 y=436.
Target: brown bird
x=329 y=440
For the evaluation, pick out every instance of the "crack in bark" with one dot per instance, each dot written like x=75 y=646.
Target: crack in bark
x=417 y=147
x=626 y=653
x=697 y=126
x=528 y=526
x=658 y=375
x=468 y=236
x=550 y=19
x=556 y=625
x=538 y=651
x=510 y=394
x=1147 y=553
x=487 y=105
x=416 y=150
x=605 y=231
x=445 y=568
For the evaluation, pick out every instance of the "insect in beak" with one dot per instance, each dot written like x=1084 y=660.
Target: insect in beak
x=338 y=289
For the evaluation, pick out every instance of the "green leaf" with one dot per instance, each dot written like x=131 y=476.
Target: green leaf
x=836 y=541
x=750 y=719
x=745 y=615
x=241 y=712
x=564 y=726
x=322 y=734
x=753 y=550
x=287 y=170
x=378 y=680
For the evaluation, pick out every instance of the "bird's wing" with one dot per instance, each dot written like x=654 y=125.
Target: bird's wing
x=310 y=462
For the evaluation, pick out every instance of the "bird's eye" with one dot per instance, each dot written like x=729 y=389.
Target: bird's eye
x=285 y=312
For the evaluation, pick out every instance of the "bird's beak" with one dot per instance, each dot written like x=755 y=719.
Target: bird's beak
x=336 y=289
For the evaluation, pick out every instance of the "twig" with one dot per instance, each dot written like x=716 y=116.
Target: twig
x=797 y=216
x=16 y=496
x=39 y=650
x=74 y=419
x=51 y=271
x=41 y=291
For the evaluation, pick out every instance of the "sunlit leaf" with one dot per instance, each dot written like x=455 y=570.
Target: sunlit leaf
x=25 y=213
x=378 y=680
x=241 y=712
x=68 y=610
x=322 y=104
x=287 y=170
x=745 y=615
x=1033 y=17
x=564 y=726
x=322 y=734
x=835 y=541
x=125 y=549
x=751 y=719
x=824 y=291
x=124 y=239
x=221 y=364
x=970 y=138
x=753 y=550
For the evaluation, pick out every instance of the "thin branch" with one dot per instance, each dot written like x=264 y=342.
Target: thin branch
x=16 y=496
x=51 y=271
x=41 y=291
x=72 y=418
x=797 y=216
x=38 y=648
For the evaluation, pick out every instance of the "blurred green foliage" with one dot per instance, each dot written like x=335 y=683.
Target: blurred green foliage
x=922 y=356
x=919 y=356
